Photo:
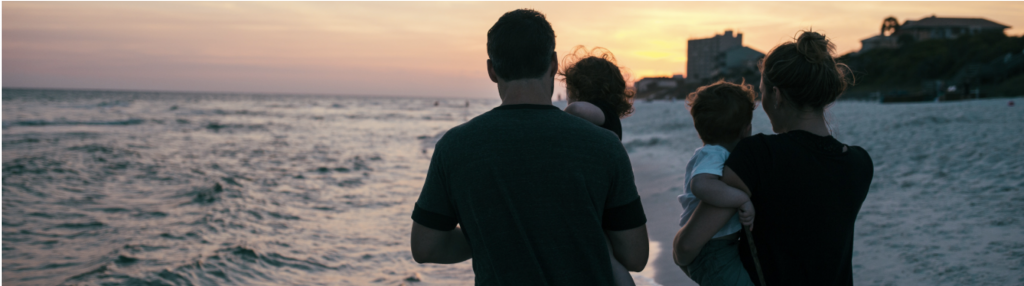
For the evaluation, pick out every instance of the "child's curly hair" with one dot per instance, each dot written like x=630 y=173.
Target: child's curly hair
x=593 y=76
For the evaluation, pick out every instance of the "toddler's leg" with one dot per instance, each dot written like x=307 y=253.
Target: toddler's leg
x=726 y=269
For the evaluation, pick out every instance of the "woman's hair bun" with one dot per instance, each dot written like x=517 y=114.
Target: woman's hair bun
x=815 y=47
x=806 y=72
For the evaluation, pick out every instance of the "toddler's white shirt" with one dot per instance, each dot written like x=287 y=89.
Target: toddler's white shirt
x=708 y=159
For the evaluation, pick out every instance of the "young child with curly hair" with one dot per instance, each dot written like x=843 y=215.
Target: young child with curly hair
x=595 y=88
x=596 y=91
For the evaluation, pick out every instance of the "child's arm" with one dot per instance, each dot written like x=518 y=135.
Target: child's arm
x=709 y=189
x=586 y=110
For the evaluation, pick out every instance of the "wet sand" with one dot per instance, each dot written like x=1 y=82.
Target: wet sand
x=659 y=183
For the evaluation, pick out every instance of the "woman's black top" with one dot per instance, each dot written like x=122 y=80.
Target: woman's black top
x=807 y=193
x=611 y=118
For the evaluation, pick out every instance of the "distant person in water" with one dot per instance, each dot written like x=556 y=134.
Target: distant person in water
x=807 y=186
x=595 y=88
x=721 y=114
x=597 y=92
x=534 y=190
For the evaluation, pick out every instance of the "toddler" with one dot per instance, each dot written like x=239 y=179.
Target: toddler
x=721 y=114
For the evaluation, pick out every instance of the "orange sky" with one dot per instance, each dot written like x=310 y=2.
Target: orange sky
x=433 y=49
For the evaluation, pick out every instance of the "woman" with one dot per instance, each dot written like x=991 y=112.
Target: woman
x=806 y=186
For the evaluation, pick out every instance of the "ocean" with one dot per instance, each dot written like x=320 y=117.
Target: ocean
x=160 y=188
x=156 y=188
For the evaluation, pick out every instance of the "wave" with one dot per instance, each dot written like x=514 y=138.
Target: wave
x=379 y=117
x=229 y=112
x=237 y=193
x=232 y=264
x=642 y=143
x=34 y=165
x=428 y=142
x=355 y=182
x=63 y=122
x=208 y=195
x=217 y=127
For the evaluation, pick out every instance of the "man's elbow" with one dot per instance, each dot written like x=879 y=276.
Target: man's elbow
x=420 y=255
x=418 y=259
x=636 y=266
x=635 y=262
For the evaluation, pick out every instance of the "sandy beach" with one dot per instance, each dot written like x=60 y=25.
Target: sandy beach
x=945 y=203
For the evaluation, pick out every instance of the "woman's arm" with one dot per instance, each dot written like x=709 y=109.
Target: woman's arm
x=586 y=110
x=703 y=224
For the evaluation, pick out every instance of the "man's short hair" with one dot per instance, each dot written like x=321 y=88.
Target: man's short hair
x=721 y=111
x=520 y=45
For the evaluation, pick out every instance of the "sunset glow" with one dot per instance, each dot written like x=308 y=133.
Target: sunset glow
x=434 y=49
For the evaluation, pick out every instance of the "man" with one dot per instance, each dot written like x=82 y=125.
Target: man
x=534 y=189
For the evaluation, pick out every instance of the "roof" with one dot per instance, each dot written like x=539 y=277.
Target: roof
x=933 y=22
x=660 y=78
x=743 y=49
x=875 y=38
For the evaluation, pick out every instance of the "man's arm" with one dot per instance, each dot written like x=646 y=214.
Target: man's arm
x=631 y=247
x=586 y=110
x=702 y=226
x=436 y=246
x=708 y=188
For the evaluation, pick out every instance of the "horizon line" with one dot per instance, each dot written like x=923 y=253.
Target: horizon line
x=235 y=93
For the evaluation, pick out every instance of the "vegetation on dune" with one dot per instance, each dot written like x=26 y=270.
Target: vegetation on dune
x=991 y=61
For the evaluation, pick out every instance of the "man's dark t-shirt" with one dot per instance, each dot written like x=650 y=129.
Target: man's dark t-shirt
x=807 y=193
x=533 y=188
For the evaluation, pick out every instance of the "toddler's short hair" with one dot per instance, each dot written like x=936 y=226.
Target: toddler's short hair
x=721 y=110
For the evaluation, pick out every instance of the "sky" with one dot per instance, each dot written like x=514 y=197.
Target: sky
x=414 y=49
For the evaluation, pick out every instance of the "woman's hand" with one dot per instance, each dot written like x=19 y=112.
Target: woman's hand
x=747 y=215
x=703 y=224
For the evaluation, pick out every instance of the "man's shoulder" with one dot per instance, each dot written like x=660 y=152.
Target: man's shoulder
x=475 y=125
x=548 y=118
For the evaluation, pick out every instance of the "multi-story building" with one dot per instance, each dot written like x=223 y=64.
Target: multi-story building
x=702 y=54
x=737 y=58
